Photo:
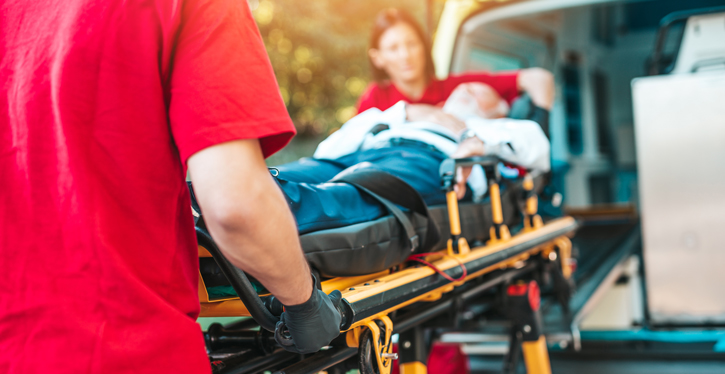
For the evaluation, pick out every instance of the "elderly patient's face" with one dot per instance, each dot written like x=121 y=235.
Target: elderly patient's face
x=480 y=99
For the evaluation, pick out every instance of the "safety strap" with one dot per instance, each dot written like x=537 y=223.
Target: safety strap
x=413 y=239
x=420 y=257
x=390 y=190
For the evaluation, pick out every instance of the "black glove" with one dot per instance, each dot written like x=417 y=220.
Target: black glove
x=307 y=327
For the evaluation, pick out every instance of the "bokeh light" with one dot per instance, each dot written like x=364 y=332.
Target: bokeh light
x=318 y=50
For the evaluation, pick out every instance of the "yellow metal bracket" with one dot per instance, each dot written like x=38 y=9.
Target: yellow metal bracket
x=463 y=247
x=499 y=232
x=564 y=245
x=383 y=350
x=504 y=232
x=532 y=220
x=533 y=223
x=454 y=219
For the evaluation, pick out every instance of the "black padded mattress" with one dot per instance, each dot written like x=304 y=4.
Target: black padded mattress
x=374 y=246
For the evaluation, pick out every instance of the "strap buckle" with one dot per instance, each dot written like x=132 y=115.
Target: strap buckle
x=414 y=243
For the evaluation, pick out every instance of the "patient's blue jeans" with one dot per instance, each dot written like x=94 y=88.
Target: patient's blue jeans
x=318 y=204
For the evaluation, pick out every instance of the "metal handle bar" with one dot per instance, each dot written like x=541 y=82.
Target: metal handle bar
x=447 y=170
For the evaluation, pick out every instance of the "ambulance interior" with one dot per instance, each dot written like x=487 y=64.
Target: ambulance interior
x=595 y=49
x=598 y=50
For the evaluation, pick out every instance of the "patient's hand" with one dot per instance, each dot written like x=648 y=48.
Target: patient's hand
x=468 y=148
x=430 y=113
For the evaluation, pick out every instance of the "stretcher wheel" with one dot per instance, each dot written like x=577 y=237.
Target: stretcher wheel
x=367 y=359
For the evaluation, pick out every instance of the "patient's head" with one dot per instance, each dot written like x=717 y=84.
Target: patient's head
x=476 y=100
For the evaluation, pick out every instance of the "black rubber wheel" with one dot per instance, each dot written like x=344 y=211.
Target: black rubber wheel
x=367 y=360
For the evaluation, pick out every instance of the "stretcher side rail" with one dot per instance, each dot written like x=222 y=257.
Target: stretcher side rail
x=448 y=175
x=416 y=317
x=366 y=307
x=417 y=314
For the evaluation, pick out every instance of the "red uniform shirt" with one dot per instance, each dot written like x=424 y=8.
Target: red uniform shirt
x=385 y=96
x=102 y=104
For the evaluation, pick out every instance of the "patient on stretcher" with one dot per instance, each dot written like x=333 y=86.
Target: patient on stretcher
x=410 y=148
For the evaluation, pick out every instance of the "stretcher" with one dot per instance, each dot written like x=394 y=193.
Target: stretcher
x=400 y=299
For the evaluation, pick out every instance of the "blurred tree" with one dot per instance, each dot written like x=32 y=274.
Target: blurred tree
x=318 y=50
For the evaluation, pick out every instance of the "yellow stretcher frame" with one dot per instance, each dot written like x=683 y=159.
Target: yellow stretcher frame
x=361 y=287
x=370 y=285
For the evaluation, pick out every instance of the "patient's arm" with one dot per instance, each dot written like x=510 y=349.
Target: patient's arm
x=434 y=114
x=521 y=142
x=249 y=219
x=539 y=84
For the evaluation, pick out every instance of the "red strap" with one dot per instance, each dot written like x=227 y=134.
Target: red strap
x=419 y=258
x=522 y=170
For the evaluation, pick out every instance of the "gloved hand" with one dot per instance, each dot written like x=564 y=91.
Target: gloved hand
x=307 y=327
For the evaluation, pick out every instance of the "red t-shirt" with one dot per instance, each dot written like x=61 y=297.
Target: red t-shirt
x=385 y=96
x=102 y=104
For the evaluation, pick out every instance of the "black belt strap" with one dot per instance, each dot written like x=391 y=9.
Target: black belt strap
x=391 y=190
x=410 y=233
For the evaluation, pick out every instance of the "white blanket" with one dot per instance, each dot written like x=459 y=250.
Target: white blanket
x=520 y=142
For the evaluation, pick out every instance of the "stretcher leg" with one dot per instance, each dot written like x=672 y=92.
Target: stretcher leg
x=536 y=356
x=413 y=355
x=511 y=360
x=522 y=305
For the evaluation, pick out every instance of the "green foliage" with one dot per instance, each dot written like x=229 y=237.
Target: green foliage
x=318 y=50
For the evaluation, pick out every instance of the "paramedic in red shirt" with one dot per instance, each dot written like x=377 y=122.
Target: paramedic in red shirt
x=105 y=106
x=402 y=67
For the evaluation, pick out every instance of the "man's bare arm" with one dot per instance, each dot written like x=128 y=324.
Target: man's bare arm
x=248 y=217
x=539 y=84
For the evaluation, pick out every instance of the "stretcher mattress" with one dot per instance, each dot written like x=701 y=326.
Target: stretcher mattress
x=378 y=245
